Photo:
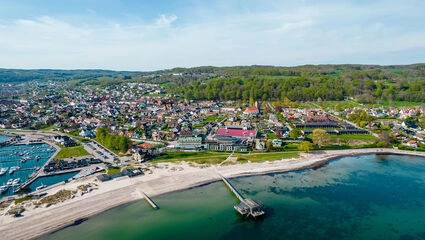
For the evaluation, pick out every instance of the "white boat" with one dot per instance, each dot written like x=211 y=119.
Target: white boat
x=37 y=158
x=3 y=171
x=16 y=182
x=4 y=188
x=9 y=182
x=40 y=187
x=13 y=169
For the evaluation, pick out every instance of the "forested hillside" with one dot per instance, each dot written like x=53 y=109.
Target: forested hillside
x=19 y=75
x=366 y=83
x=306 y=83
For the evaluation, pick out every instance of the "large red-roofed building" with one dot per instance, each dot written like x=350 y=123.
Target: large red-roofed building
x=236 y=132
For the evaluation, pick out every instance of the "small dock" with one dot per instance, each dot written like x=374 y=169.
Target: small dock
x=247 y=207
x=39 y=174
x=150 y=201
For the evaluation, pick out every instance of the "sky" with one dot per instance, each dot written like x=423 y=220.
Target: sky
x=142 y=35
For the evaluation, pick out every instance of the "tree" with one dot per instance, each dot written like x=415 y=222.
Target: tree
x=295 y=133
x=123 y=144
x=305 y=146
x=269 y=146
x=320 y=137
x=384 y=140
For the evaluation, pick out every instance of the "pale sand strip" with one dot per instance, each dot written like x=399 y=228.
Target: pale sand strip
x=119 y=191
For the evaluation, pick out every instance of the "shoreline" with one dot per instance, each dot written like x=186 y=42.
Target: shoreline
x=167 y=177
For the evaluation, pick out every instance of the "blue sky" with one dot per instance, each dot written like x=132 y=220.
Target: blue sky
x=152 y=35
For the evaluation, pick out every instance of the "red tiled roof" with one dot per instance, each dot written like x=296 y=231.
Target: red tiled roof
x=252 y=109
x=146 y=145
x=236 y=132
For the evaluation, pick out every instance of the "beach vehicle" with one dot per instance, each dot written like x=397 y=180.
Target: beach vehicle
x=3 y=171
x=40 y=187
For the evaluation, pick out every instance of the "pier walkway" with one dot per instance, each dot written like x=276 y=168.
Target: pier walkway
x=40 y=173
x=150 y=201
x=247 y=207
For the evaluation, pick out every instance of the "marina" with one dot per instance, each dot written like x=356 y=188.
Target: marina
x=20 y=162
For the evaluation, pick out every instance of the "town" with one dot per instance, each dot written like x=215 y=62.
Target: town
x=154 y=121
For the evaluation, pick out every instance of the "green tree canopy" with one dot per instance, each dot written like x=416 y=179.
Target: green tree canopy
x=305 y=146
x=320 y=137
x=295 y=133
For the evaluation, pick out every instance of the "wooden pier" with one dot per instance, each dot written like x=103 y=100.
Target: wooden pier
x=247 y=207
x=150 y=201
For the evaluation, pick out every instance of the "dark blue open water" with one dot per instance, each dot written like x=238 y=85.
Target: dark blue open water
x=366 y=197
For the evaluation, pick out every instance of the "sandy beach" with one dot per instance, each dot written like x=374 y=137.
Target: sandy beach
x=165 y=177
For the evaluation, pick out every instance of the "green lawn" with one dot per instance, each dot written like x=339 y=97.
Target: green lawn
x=364 y=137
x=270 y=136
x=196 y=157
x=113 y=170
x=78 y=151
x=49 y=127
x=262 y=157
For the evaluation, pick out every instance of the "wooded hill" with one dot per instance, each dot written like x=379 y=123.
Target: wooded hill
x=366 y=83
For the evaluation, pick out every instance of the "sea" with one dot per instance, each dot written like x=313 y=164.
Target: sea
x=28 y=157
x=362 y=197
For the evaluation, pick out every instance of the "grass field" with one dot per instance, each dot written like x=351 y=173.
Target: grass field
x=113 y=170
x=262 y=157
x=219 y=157
x=49 y=127
x=270 y=136
x=196 y=157
x=78 y=151
x=364 y=137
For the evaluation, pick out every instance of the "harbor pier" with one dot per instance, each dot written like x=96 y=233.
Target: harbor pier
x=247 y=207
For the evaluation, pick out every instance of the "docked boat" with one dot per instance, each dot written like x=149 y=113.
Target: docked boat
x=9 y=182
x=16 y=182
x=37 y=158
x=4 y=188
x=40 y=187
x=3 y=171
x=13 y=169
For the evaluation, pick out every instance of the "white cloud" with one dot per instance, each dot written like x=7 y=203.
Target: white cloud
x=164 y=20
x=279 y=36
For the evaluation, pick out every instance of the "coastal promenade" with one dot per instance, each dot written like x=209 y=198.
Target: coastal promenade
x=164 y=179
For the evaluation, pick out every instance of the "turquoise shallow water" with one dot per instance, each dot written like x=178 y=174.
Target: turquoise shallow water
x=3 y=138
x=366 y=197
